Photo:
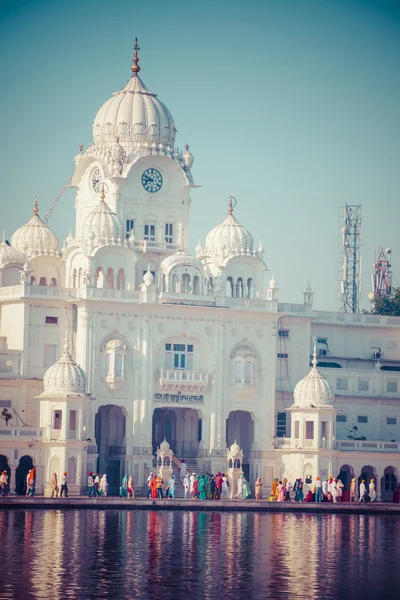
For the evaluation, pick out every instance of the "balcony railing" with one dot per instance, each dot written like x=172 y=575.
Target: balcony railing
x=106 y=294
x=25 y=432
x=367 y=446
x=183 y=379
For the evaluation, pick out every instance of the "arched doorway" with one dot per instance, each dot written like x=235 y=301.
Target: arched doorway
x=367 y=473
x=240 y=428
x=4 y=466
x=110 y=425
x=388 y=483
x=346 y=474
x=182 y=429
x=24 y=465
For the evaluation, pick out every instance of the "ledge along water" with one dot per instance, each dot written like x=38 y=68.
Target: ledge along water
x=201 y=505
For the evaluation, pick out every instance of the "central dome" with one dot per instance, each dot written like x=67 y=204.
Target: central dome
x=135 y=115
x=229 y=237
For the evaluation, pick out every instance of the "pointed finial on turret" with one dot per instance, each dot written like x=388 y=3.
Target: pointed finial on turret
x=66 y=343
x=314 y=360
x=4 y=235
x=231 y=204
x=135 y=67
x=35 y=207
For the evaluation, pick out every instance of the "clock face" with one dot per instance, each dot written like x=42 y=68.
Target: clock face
x=152 y=180
x=96 y=180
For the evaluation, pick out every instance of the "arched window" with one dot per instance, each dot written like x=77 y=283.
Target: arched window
x=174 y=284
x=110 y=278
x=239 y=288
x=185 y=286
x=196 y=284
x=121 y=279
x=115 y=354
x=99 y=277
x=43 y=281
x=250 y=288
x=53 y=282
x=244 y=357
x=229 y=287
x=74 y=278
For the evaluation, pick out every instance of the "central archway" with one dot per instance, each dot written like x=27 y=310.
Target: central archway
x=240 y=428
x=110 y=426
x=181 y=427
x=24 y=465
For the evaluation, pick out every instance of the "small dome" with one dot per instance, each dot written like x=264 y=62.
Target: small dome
x=164 y=446
x=229 y=237
x=8 y=254
x=272 y=283
x=313 y=390
x=102 y=224
x=65 y=377
x=180 y=258
x=35 y=237
x=235 y=448
x=148 y=278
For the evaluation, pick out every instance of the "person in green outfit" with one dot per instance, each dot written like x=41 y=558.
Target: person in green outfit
x=202 y=488
x=246 y=489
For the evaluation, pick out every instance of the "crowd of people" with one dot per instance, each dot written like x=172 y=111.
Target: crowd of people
x=328 y=490
x=97 y=485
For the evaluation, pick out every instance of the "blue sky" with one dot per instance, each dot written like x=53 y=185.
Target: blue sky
x=291 y=106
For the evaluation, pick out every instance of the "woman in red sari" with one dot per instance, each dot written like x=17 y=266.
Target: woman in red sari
x=153 y=487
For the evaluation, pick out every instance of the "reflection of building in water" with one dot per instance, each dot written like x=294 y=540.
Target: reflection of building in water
x=49 y=573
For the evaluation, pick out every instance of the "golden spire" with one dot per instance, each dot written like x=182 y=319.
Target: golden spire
x=135 y=67
x=35 y=207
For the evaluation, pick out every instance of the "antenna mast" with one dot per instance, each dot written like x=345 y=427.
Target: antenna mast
x=351 y=262
x=382 y=277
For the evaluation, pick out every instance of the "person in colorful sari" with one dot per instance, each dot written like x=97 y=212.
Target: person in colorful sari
x=196 y=488
x=258 y=488
x=246 y=489
x=171 y=487
x=212 y=488
x=123 y=490
x=299 y=495
x=30 y=483
x=201 y=485
x=153 y=487
x=274 y=492
x=218 y=485
x=281 y=492
x=104 y=486
x=131 y=487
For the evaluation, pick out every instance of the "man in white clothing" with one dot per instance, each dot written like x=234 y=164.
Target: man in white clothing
x=191 y=487
x=186 y=486
x=150 y=477
x=363 y=491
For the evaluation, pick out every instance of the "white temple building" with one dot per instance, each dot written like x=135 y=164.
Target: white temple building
x=119 y=338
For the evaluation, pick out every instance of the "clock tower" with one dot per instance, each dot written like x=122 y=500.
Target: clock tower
x=147 y=180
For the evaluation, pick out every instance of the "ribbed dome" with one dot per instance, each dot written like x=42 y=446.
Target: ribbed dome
x=313 y=390
x=65 y=377
x=229 y=237
x=102 y=226
x=35 y=237
x=136 y=116
x=180 y=258
x=8 y=254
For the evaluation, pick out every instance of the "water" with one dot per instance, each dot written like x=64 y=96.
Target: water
x=85 y=554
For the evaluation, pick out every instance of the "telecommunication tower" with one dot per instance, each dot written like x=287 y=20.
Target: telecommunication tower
x=382 y=277
x=351 y=262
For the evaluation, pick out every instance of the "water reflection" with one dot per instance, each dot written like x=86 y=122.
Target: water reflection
x=84 y=554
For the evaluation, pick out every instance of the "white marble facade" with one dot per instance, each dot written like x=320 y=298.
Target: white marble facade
x=159 y=343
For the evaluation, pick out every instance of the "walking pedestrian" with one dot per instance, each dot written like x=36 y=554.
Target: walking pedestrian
x=90 y=484
x=363 y=492
x=54 y=486
x=353 y=490
x=104 y=486
x=186 y=486
x=372 y=490
x=131 y=487
x=318 y=490
x=64 y=485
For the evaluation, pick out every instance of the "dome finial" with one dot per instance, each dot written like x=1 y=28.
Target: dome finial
x=35 y=207
x=231 y=204
x=314 y=360
x=102 y=193
x=135 y=67
x=4 y=235
x=66 y=343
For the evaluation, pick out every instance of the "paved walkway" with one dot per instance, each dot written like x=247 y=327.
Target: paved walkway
x=204 y=505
